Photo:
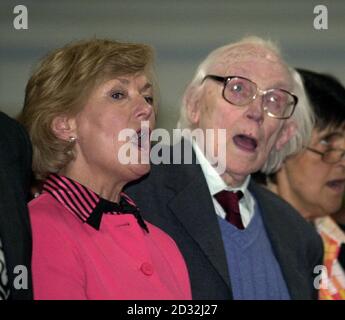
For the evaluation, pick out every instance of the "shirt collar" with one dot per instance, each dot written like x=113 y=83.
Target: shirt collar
x=214 y=181
x=216 y=184
x=85 y=204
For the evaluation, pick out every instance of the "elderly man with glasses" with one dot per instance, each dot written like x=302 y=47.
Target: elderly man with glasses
x=239 y=240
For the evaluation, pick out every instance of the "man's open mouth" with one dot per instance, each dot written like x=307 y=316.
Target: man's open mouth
x=245 y=142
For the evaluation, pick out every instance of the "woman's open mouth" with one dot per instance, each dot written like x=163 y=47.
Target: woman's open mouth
x=142 y=138
x=336 y=185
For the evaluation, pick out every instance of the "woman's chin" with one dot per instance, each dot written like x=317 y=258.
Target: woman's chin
x=139 y=170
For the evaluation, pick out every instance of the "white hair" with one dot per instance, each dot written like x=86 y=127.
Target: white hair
x=303 y=115
x=304 y=119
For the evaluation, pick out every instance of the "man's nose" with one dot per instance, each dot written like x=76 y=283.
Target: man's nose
x=255 y=110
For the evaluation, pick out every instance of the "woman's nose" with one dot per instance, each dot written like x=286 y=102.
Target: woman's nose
x=143 y=108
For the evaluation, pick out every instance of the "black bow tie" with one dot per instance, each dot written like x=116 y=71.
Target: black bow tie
x=124 y=207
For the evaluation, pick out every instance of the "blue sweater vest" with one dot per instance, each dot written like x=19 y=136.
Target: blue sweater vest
x=253 y=268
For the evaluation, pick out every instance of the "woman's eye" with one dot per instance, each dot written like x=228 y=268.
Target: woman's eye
x=325 y=144
x=117 y=95
x=149 y=100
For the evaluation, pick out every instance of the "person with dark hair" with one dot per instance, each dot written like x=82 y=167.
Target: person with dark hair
x=313 y=180
x=15 y=232
x=240 y=241
x=89 y=238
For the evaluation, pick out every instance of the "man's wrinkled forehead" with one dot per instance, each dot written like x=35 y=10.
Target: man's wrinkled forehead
x=249 y=51
x=242 y=54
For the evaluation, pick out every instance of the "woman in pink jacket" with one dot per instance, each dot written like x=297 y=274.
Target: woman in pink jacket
x=89 y=109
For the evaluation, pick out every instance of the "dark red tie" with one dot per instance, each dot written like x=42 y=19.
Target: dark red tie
x=229 y=201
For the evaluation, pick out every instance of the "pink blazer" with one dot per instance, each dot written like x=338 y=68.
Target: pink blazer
x=72 y=260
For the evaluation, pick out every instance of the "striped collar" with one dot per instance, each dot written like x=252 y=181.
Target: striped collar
x=86 y=204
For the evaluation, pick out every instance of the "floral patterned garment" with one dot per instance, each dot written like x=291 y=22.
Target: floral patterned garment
x=332 y=237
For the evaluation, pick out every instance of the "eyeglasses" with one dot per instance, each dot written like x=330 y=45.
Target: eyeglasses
x=330 y=156
x=240 y=91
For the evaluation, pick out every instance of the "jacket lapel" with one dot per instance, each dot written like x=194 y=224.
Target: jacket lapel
x=283 y=248
x=188 y=182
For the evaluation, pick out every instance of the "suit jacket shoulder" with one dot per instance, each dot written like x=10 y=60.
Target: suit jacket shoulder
x=176 y=198
x=295 y=241
x=15 y=172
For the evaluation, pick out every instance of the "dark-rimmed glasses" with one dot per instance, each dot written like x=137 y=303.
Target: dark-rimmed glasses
x=330 y=156
x=239 y=91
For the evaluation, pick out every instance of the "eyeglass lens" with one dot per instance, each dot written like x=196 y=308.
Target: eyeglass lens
x=240 y=91
x=333 y=155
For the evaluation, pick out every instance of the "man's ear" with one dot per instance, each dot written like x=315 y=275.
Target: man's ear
x=64 y=127
x=191 y=102
x=288 y=131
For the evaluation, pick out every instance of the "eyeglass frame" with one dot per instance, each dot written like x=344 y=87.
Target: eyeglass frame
x=322 y=154
x=226 y=79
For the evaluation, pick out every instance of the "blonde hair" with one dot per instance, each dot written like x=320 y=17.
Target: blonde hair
x=62 y=83
x=246 y=48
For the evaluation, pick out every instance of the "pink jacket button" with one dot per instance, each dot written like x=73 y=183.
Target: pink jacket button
x=147 y=268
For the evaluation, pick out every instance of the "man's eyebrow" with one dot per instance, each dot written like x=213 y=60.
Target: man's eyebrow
x=280 y=85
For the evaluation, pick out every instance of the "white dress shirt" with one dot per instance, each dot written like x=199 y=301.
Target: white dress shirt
x=216 y=184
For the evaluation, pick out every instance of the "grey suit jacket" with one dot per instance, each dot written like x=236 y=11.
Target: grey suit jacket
x=15 y=232
x=176 y=199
